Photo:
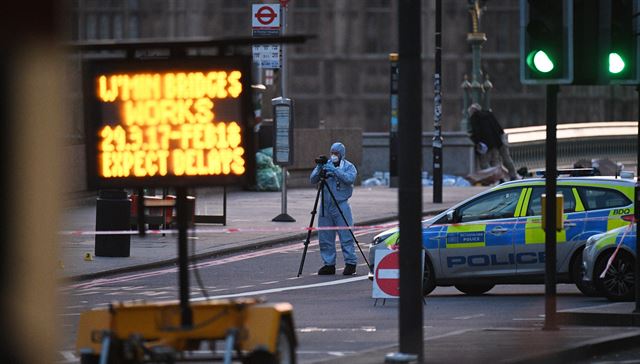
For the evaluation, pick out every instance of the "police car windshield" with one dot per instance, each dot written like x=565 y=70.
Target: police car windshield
x=495 y=205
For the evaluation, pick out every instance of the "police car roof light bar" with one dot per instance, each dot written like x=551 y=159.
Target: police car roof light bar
x=573 y=172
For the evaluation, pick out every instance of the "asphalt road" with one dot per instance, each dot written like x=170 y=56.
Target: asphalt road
x=334 y=315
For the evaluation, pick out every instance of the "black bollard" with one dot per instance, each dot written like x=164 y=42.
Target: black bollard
x=113 y=210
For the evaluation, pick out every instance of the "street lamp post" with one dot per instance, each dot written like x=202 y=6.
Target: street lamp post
x=477 y=85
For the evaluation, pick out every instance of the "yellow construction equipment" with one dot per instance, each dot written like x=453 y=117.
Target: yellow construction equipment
x=138 y=332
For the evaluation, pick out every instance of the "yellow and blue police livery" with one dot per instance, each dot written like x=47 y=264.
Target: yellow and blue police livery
x=618 y=282
x=496 y=236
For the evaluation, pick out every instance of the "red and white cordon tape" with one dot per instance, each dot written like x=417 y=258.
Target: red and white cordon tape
x=267 y=229
x=228 y=230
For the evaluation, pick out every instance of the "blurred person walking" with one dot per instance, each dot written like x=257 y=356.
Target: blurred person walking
x=490 y=140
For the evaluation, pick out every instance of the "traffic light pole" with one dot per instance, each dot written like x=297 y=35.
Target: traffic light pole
x=410 y=184
x=393 y=121
x=637 y=217
x=550 y=207
x=437 y=110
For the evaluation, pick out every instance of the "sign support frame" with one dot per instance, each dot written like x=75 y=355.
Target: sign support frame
x=283 y=217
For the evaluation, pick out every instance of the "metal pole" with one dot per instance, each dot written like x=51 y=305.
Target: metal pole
x=550 y=207
x=437 y=110
x=283 y=48
x=637 y=217
x=393 y=120
x=410 y=188
x=283 y=82
x=476 y=38
x=183 y=255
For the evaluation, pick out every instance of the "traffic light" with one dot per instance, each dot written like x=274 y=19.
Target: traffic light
x=546 y=41
x=622 y=51
x=605 y=43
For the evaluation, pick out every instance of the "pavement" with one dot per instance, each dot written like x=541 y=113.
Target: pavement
x=582 y=333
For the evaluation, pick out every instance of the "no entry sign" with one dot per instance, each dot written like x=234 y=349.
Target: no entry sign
x=386 y=278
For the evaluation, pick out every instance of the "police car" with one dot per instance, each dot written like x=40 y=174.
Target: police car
x=618 y=281
x=496 y=237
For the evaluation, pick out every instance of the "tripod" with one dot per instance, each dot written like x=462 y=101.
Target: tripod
x=321 y=187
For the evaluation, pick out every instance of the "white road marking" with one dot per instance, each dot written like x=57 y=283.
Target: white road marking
x=270 y=282
x=284 y=289
x=452 y=333
x=74 y=307
x=247 y=286
x=528 y=319
x=469 y=317
x=69 y=355
x=311 y=352
x=204 y=264
x=325 y=329
x=589 y=308
x=152 y=293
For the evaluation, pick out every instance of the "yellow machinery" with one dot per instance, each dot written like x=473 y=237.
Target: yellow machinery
x=137 y=332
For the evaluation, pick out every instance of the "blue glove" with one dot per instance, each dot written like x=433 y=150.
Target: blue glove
x=329 y=169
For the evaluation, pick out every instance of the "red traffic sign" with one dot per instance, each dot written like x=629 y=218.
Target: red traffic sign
x=266 y=16
x=387 y=274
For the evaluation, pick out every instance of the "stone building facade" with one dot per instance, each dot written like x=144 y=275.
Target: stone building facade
x=342 y=76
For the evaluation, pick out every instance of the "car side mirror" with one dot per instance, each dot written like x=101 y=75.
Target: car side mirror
x=450 y=215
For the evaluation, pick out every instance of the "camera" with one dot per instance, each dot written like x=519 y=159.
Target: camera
x=322 y=159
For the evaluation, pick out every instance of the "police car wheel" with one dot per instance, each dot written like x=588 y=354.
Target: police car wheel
x=618 y=282
x=474 y=289
x=577 y=275
x=429 y=278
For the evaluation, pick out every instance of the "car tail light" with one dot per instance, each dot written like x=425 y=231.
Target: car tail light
x=628 y=218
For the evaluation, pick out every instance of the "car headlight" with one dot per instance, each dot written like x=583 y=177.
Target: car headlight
x=592 y=240
x=380 y=238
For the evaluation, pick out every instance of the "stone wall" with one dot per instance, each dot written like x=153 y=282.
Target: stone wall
x=310 y=143
x=458 y=157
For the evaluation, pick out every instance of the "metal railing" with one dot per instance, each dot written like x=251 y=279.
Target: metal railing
x=616 y=141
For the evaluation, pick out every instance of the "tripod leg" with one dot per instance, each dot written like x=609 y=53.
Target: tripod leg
x=313 y=217
x=333 y=197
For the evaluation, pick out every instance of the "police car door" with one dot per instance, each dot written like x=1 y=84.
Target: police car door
x=530 y=238
x=480 y=241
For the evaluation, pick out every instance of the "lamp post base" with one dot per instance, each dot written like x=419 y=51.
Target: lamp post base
x=283 y=218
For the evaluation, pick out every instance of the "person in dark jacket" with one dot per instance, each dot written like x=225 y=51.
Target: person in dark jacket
x=490 y=140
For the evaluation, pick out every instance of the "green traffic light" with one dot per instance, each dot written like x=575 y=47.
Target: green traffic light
x=539 y=61
x=616 y=63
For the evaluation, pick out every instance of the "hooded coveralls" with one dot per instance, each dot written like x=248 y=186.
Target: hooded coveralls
x=340 y=180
